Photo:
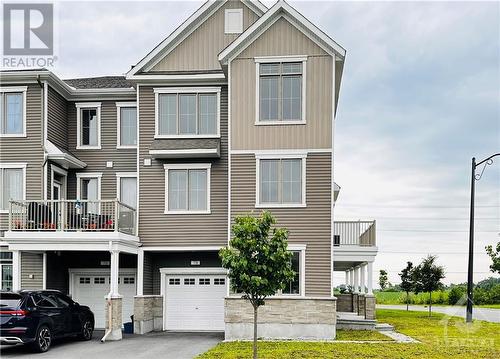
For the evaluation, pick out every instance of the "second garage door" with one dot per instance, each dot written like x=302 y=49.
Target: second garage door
x=194 y=302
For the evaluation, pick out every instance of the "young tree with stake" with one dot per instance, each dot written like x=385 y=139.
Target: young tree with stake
x=258 y=262
x=428 y=277
x=407 y=281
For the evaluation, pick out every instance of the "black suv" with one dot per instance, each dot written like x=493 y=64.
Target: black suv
x=36 y=317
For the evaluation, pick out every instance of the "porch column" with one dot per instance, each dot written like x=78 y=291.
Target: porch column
x=351 y=278
x=370 y=277
x=115 y=265
x=363 y=279
x=16 y=270
x=140 y=271
x=356 y=279
x=346 y=277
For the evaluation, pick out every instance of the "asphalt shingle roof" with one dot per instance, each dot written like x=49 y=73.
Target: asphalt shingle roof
x=100 y=82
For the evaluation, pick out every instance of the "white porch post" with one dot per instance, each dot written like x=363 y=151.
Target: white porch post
x=44 y=270
x=140 y=271
x=363 y=279
x=351 y=278
x=16 y=270
x=370 y=277
x=115 y=265
x=356 y=279
x=346 y=277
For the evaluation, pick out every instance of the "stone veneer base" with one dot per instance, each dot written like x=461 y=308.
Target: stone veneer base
x=148 y=313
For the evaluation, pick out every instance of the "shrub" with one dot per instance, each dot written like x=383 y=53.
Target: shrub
x=456 y=294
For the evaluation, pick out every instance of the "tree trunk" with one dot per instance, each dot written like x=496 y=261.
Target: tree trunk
x=407 y=301
x=255 y=332
x=430 y=303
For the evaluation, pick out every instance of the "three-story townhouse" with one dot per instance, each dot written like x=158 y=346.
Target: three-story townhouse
x=127 y=186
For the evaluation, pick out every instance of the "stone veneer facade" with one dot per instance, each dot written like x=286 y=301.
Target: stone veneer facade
x=305 y=318
x=115 y=305
x=148 y=313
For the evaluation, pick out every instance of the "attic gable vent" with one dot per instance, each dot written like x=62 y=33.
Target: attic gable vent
x=233 y=21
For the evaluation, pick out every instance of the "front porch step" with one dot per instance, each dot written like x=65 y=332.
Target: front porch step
x=384 y=327
x=355 y=322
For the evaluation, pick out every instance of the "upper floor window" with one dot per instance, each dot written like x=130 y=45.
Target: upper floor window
x=281 y=90
x=126 y=125
x=88 y=189
x=187 y=112
x=187 y=188
x=127 y=188
x=12 y=183
x=88 y=125
x=13 y=111
x=281 y=181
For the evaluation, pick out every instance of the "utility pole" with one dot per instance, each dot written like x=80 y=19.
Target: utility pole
x=470 y=271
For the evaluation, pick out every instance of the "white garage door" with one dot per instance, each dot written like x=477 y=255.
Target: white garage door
x=195 y=302
x=90 y=289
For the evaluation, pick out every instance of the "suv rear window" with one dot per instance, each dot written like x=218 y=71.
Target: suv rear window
x=10 y=301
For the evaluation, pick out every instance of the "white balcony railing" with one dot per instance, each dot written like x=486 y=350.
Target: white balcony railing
x=71 y=216
x=354 y=233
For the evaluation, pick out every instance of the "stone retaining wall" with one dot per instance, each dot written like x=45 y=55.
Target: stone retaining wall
x=344 y=302
x=148 y=313
x=282 y=318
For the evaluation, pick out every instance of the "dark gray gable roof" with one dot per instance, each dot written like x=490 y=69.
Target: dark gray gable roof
x=100 y=82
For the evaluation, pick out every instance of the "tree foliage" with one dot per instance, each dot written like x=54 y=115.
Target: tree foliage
x=407 y=281
x=427 y=277
x=495 y=258
x=258 y=260
x=383 y=280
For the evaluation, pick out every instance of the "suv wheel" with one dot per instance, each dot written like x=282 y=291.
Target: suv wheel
x=43 y=339
x=87 y=330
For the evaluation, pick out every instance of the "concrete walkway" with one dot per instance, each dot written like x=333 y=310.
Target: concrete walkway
x=486 y=314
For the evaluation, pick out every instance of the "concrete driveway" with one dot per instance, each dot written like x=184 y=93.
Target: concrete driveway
x=152 y=345
x=487 y=314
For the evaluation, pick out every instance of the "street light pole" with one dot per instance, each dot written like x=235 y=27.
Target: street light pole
x=470 y=272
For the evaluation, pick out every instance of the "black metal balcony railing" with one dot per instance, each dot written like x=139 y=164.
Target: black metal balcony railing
x=354 y=233
x=71 y=216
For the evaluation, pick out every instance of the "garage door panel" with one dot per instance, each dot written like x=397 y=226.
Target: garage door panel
x=195 y=302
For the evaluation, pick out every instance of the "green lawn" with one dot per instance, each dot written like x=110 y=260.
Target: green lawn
x=440 y=337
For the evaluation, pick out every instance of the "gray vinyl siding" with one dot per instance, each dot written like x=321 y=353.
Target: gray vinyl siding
x=310 y=225
x=31 y=265
x=148 y=274
x=27 y=149
x=57 y=125
x=124 y=160
x=157 y=228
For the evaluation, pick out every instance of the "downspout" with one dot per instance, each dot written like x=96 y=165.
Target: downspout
x=44 y=116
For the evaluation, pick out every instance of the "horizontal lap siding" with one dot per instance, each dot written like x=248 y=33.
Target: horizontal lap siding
x=31 y=265
x=157 y=228
x=124 y=160
x=310 y=225
x=58 y=119
x=27 y=149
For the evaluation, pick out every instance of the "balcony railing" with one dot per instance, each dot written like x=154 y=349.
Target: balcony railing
x=71 y=216
x=354 y=233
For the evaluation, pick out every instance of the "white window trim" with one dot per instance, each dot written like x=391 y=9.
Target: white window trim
x=80 y=176
x=119 y=176
x=23 y=90
x=79 y=107
x=271 y=59
x=119 y=106
x=279 y=156
x=61 y=172
x=226 y=23
x=184 y=90
x=188 y=166
x=301 y=248
x=15 y=165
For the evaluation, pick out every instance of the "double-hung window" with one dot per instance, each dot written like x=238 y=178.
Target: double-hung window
x=12 y=183
x=126 y=125
x=294 y=286
x=127 y=188
x=187 y=188
x=88 y=189
x=88 y=125
x=187 y=112
x=281 y=181
x=281 y=90
x=13 y=111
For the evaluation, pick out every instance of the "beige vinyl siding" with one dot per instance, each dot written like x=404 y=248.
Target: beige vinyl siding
x=124 y=160
x=27 y=149
x=282 y=38
x=157 y=228
x=200 y=49
x=57 y=114
x=309 y=225
x=31 y=265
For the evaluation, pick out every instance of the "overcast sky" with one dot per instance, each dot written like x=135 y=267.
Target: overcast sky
x=420 y=97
